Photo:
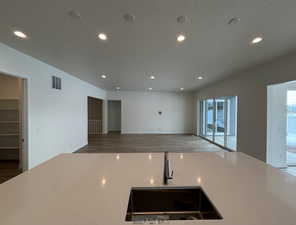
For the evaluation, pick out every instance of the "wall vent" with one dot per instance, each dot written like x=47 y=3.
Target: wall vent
x=56 y=83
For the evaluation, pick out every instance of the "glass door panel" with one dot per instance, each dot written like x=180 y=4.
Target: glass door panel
x=209 y=119
x=220 y=121
x=231 y=133
x=202 y=131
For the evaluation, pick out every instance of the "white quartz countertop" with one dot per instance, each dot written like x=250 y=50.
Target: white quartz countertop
x=93 y=189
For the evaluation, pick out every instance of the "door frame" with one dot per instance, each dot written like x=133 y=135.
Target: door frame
x=24 y=138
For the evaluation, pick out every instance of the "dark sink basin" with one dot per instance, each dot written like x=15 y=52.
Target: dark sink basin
x=170 y=203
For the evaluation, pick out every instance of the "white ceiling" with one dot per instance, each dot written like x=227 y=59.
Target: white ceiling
x=148 y=46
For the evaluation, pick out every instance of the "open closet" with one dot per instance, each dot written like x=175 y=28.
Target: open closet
x=11 y=154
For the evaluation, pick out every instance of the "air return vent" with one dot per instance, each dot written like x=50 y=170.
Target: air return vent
x=56 y=83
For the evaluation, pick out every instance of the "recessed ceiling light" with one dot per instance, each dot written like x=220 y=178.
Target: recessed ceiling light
x=256 y=40
x=181 y=89
x=103 y=36
x=181 y=37
x=104 y=76
x=200 y=77
x=20 y=34
x=117 y=88
x=150 y=89
x=104 y=181
x=152 y=77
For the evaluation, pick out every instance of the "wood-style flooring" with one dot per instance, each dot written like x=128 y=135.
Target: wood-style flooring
x=117 y=143
x=8 y=170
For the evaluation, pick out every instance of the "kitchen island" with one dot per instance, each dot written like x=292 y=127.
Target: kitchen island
x=93 y=189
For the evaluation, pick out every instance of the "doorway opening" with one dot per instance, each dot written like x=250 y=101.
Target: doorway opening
x=114 y=116
x=95 y=116
x=13 y=125
x=281 y=126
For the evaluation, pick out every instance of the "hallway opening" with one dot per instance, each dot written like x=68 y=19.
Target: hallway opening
x=114 y=116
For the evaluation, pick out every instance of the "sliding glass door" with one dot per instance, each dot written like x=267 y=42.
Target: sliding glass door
x=218 y=121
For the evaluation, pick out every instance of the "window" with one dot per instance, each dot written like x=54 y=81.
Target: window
x=219 y=120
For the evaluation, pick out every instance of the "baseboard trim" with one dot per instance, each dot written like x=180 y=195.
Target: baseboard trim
x=77 y=151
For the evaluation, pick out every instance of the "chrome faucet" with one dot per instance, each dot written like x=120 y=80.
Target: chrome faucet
x=168 y=172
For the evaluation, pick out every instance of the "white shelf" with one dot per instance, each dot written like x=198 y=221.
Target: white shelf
x=5 y=135
x=9 y=109
x=9 y=147
x=9 y=122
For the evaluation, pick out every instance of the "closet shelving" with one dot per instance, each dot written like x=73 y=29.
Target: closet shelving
x=9 y=129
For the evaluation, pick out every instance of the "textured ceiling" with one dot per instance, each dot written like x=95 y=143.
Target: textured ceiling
x=148 y=46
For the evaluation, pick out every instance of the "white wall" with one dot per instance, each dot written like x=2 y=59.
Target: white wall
x=251 y=88
x=140 y=111
x=57 y=120
x=114 y=115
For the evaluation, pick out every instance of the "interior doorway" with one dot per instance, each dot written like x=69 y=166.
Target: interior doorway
x=281 y=125
x=95 y=116
x=13 y=125
x=114 y=116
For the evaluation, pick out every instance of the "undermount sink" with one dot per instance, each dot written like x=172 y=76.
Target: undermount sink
x=170 y=203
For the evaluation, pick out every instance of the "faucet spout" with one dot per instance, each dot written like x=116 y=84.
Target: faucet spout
x=168 y=172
